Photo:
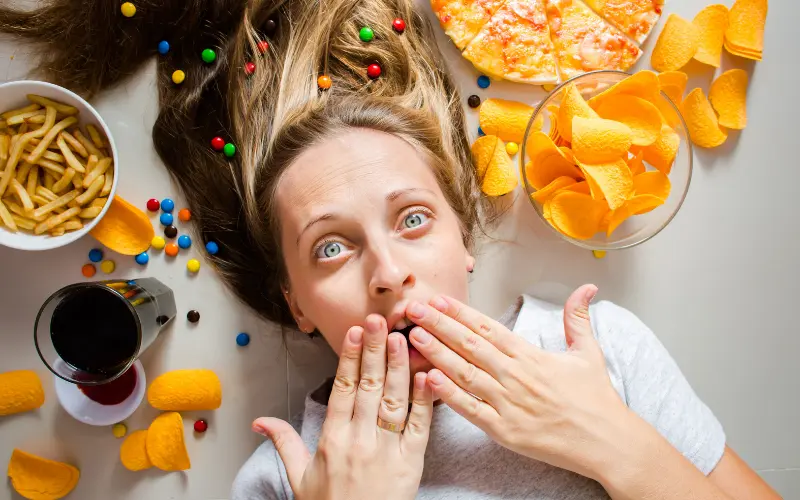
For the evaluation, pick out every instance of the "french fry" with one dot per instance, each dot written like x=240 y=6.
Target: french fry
x=11 y=163
x=91 y=192
x=49 y=136
x=88 y=145
x=49 y=121
x=46 y=193
x=17 y=209
x=77 y=181
x=23 y=129
x=52 y=166
x=69 y=157
x=49 y=180
x=6 y=217
x=19 y=190
x=95 y=136
x=91 y=163
x=5 y=144
x=75 y=144
x=23 y=223
x=26 y=109
x=108 y=184
x=55 y=220
x=3 y=124
x=57 y=203
x=98 y=202
x=64 y=181
x=23 y=171
x=71 y=225
x=36 y=119
x=23 y=117
x=64 y=109
x=47 y=155
x=33 y=181
x=58 y=231
x=96 y=172
x=90 y=212
x=40 y=200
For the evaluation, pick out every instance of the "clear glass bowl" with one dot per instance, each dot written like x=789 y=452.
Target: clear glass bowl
x=639 y=228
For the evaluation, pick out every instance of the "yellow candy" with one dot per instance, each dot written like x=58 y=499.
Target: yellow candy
x=178 y=77
x=193 y=265
x=20 y=391
x=128 y=9
x=186 y=390
x=512 y=148
x=598 y=254
x=108 y=266
x=158 y=242
x=39 y=478
x=119 y=430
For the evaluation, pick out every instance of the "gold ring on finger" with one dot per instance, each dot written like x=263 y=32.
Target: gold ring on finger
x=390 y=426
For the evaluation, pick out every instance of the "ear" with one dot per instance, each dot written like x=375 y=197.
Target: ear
x=470 y=261
x=303 y=323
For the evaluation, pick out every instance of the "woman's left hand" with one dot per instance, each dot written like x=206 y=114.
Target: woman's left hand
x=559 y=408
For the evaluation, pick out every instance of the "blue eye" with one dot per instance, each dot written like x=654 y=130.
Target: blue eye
x=329 y=250
x=415 y=220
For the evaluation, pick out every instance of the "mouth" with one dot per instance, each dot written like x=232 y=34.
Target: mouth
x=404 y=327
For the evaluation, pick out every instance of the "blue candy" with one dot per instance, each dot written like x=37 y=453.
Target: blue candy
x=163 y=47
x=142 y=258
x=166 y=219
x=167 y=205
x=481 y=133
x=184 y=241
x=484 y=82
x=243 y=339
x=132 y=282
x=212 y=247
x=95 y=255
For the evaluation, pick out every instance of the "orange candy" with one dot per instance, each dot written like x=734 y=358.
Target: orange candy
x=171 y=249
x=184 y=215
x=88 y=270
x=324 y=82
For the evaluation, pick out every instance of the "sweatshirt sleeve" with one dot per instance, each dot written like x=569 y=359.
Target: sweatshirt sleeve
x=261 y=477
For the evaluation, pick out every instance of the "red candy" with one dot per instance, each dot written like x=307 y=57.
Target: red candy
x=200 y=426
x=217 y=143
x=249 y=68
x=373 y=71
x=263 y=46
x=153 y=205
x=399 y=25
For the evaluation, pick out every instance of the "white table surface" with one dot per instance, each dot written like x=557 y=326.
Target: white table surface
x=718 y=286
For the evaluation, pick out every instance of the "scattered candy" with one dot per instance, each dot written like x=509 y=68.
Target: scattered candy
x=186 y=390
x=153 y=205
x=178 y=76
x=158 y=243
x=142 y=258
x=166 y=219
x=249 y=68
x=212 y=247
x=217 y=143
x=108 y=266
x=599 y=254
x=184 y=241
x=484 y=82
x=193 y=265
x=512 y=148
x=269 y=27
x=95 y=255
x=324 y=82
x=399 y=25
x=229 y=150
x=128 y=9
x=481 y=133
x=373 y=71
x=184 y=215
x=163 y=47
x=200 y=426
x=132 y=283
x=167 y=205
x=171 y=249
x=263 y=46
x=193 y=316
x=208 y=56
x=88 y=270
x=119 y=430
x=366 y=34
x=242 y=339
x=474 y=101
x=170 y=232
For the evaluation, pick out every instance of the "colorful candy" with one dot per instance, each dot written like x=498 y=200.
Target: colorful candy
x=474 y=101
x=184 y=215
x=184 y=241
x=178 y=76
x=263 y=46
x=200 y=426
x=163 y=47
x=366 y=34
x=128 y=9
x=481 y=133
x=399 y=25
x=229 y=150
x=166 y=219
x=217 y=143
x=88 y=270
x=167 y=205
x=212 y=248
x=95 y=255
x=484 y=82
x=142 y=258
x=242 y=339
x=108 y=266
x=512 y=148
x=324 y=82
x=171 y=249
x=153 y=205
x=269 y=27
x=373 y=71
x=193 y=265
x=158 y=242
x=193 y=316
x=599 y=254
x=119 y=430
x=249 y=68
x=170 y=232
x=208 y=56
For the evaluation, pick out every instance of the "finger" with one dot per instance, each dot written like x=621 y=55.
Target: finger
x=394 y=405
x=465 y=374
x=418 y=428
x=468 y=344
x=478 y=412
x=290 y=447
x=493 y=331
x=343 y=394
x=373 y=371
x=577 y=324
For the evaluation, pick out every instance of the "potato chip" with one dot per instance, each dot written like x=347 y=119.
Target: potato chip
x=655 y=183
x=547 y=192
x=613 y=179
x=676 y=78
x=636 y=163
x=579 y=187
x=495 y=168
x=711 y=23
x=39 y=478
x=596 y=140
x=505 y=119
x=738 y=51
x=661 y=154
x=728 y=96
x=637 y=205
x=640 y=116
x=20 y=391
x=572 y=104
x=547 y=163
x=642 y=84
x=166 y=448
x=186 y=390
x=701 y=121
x=745 y=31
x=676 y=45
x=576 y=215
x=133 y=452
x=546 y=211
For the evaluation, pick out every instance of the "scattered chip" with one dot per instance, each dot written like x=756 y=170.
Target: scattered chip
x=613 y=179
x=39 y=478
x=133 y=452
x=677 y=78
x=576 y=215
x=572 y=104
x=548 y=162
x=165 y=445
x=728 y=96
x=711 y=23
x=642 y=84
x=643 y=118
x=701 y=120
x=676 y=45
x=505 y=119
x=547 y=192
x=655 y=183
x=637 y=205
x=186 y=390
x=494 y=166
x=20 y=391
x=596 y=140
x=661 y=154
x=745 y=34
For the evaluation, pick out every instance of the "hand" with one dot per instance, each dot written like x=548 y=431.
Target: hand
x=559 y=408
x=355 y=458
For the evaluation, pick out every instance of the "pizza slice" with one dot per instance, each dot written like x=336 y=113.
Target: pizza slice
x=585 y=42
x=515 y=44
x=463 y=19
x=635 y=18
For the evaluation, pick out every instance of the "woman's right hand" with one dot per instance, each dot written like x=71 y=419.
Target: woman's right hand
x=355 y=458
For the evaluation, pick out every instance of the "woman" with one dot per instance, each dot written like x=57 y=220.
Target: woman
x=351 y=212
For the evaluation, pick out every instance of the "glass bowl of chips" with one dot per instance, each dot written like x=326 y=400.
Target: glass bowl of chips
x=606 y=160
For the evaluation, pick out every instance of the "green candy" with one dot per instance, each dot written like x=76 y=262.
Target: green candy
x=209 y=56
x=366 y=34
x=229 y=150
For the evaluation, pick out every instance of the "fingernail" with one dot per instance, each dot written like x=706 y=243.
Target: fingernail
x=590 y=293
x=260 y=430
x=416 y=310
x=355 y=335
x=421 y=336
x=394 y=344
x=436 y=378
x=439 y=304
x=419 y=380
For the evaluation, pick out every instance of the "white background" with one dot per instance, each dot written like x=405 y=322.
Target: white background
x=719 y=287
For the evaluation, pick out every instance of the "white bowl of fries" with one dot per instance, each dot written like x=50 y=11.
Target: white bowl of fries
x=57 y=166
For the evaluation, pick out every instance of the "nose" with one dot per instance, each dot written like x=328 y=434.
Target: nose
x=391 y=274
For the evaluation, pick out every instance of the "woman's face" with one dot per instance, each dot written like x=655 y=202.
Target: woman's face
x=365 y=229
